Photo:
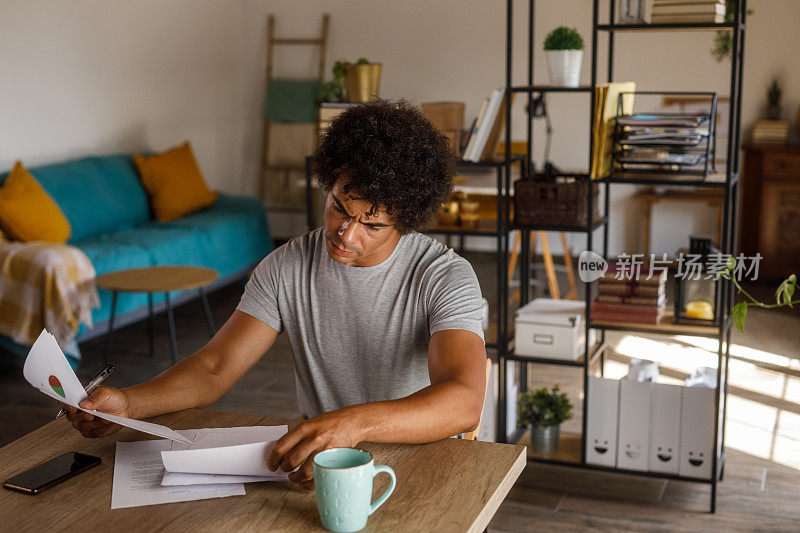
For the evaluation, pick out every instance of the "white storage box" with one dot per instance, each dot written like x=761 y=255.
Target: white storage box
x=550 y=328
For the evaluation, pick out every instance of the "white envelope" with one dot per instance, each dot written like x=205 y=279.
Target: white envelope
x=47 y=369
x=240 y=451
x=178 y=478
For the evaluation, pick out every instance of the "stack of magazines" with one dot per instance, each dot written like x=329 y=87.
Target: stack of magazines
x=665 y=142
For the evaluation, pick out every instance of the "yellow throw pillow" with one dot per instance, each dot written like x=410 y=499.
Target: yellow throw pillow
x=27 y=212
x=174 y=183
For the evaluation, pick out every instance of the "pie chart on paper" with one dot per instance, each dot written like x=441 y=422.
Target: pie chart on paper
x=56 y=386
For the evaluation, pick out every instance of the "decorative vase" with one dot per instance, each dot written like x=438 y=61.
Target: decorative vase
x=362 y=82
x=631 y=12
x=564 y=67
x=545 y=440
x=448 y=215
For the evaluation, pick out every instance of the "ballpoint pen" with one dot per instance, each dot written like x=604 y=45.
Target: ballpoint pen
x=93 y=384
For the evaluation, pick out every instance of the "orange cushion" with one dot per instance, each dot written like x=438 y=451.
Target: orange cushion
x=27 y=212
x=174 y=183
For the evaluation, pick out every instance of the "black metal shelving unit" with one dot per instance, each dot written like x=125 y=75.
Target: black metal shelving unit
x=730 y=184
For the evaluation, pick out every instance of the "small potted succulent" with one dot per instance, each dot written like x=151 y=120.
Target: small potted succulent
x=564 y=50
x=543 y=410
x=774 y=101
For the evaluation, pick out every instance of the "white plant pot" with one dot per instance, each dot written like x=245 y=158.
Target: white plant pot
x=564 y=67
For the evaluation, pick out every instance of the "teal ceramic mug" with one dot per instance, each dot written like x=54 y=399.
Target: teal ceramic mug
x=343 y=484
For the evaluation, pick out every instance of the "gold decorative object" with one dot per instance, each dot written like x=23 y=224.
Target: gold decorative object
x=448 y=215
x=699 y=310
x=468 y=215
x=363 y=82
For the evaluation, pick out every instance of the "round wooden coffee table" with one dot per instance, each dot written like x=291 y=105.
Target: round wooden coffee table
x=164 y=279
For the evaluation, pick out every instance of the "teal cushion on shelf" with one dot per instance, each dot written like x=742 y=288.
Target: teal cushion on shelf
x=97 y=194
x=290 y=100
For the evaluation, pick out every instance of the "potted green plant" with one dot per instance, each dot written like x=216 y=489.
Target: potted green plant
x=362 y=79
x=333 y=90
x=543 y=410
x=774 y=101
x=564 y=50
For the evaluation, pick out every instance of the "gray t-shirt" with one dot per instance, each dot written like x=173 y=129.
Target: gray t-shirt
x=361 y=334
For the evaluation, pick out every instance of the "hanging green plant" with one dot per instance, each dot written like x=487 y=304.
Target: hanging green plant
x=723 y=39
x=783 y=295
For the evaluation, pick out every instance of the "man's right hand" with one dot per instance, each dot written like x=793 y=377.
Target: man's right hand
x=106 y=399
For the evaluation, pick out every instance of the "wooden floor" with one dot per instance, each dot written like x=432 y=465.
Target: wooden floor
x=761 y=489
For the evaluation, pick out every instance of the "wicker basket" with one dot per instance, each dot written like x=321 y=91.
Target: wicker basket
x=562 y=202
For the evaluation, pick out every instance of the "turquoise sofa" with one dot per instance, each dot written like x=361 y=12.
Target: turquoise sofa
x=111 y=221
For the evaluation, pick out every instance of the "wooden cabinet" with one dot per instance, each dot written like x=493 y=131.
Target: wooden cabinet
x=770 y=216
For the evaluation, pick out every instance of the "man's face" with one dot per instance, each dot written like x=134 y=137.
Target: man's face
x=355 y=234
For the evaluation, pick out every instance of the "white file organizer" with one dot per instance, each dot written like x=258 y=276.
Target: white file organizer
x=633 y=440
x=697 y=432
x=601 y=422
x=665 y=429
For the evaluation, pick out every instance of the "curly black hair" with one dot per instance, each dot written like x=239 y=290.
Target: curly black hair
x=394 y=157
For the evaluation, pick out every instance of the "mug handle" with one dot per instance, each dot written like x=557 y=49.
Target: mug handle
x=380 y=501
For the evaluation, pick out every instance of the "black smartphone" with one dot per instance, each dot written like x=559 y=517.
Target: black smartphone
x=53 y=472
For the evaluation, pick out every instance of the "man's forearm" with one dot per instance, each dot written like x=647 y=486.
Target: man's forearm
x=433 y=413
x=191 y=383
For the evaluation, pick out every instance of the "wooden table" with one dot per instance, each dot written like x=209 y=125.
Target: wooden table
x=152 y=279
x=450 y=485
x=712 y=197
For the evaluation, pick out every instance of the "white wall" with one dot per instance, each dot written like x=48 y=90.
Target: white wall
x=97 y=77
x=93 y=76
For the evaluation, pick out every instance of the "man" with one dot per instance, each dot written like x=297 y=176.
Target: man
x=384 y=322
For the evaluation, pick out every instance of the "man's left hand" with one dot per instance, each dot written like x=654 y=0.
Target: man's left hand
x=336 y=429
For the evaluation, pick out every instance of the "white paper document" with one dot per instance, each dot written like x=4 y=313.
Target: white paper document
x=222 y=453
x=47 y=369
x=138 y=471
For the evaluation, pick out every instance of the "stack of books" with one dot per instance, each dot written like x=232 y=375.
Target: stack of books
x=638 y=300
x=485 y=133
x=688 y=11
x=770 y=131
